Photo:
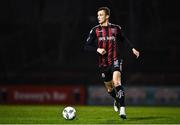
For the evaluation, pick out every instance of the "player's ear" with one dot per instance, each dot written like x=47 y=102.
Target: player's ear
x=107 y=16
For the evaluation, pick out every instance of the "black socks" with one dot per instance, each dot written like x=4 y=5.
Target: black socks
x=120 y=95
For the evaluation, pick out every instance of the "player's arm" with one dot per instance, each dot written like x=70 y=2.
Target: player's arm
x=135 y=51
x=91 y=42
x=130 y=45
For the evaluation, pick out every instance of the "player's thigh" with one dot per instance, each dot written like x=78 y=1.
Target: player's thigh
x=117 y=78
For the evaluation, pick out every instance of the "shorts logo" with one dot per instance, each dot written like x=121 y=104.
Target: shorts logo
x=103 y=75
x=116 y=63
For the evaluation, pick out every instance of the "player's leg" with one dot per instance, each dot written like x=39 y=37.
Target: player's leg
x=112 y=92
x=106 y=75
x=120 y=92
x=118 y=86
x=110 y=89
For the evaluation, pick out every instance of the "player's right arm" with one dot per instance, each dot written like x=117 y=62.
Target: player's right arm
x=91 y=42
x=101 y=51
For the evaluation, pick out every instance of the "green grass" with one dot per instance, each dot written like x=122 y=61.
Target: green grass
x=38 y=114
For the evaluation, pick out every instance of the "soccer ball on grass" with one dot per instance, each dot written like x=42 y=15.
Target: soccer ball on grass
x=69 y=113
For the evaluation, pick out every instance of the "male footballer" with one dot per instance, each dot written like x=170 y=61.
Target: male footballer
x=105 y=39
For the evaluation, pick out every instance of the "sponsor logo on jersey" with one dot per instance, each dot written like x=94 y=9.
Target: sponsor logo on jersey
x=111 y=38
x=100 y=31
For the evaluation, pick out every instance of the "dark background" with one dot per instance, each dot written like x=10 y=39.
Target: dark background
x=41 y=41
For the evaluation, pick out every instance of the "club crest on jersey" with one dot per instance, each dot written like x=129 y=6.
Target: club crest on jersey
x=114 y=30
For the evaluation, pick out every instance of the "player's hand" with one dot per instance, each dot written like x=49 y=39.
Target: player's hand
x=101 y=51
x=135 y=52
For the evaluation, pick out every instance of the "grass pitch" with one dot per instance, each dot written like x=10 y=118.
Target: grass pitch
x=38 y=114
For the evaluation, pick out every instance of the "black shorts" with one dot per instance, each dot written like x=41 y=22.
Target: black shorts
x=107 y=72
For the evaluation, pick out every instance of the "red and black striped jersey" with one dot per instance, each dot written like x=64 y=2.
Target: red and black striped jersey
x=109 y=38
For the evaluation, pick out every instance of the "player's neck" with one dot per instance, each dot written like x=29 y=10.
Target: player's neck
x=105 y=23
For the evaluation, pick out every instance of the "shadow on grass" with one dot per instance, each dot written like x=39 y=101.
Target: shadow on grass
x=146 y=118
x=140 y=120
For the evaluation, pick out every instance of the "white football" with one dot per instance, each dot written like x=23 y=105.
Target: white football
x=69 y=113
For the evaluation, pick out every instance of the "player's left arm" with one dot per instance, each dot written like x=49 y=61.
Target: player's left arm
x=124 y=38
x=135 y=52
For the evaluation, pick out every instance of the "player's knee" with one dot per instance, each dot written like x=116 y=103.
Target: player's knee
x=109 y=89
x=116 y=83
x=108 y=86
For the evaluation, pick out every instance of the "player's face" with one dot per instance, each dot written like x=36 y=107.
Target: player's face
x=102 y=17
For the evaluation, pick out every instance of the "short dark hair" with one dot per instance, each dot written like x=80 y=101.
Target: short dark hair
x=106 y=10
